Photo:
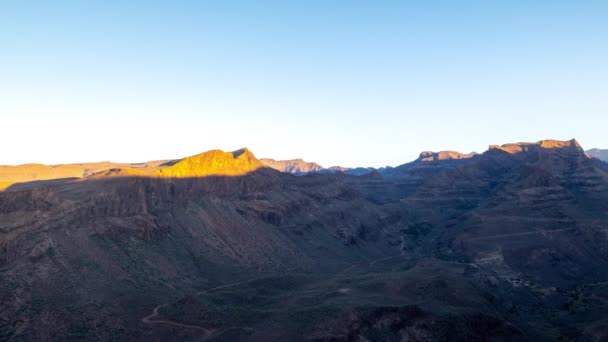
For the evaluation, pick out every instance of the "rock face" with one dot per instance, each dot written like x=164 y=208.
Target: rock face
x=506 y=245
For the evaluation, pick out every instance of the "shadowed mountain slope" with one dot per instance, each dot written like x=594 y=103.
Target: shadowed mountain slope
x=506 y=245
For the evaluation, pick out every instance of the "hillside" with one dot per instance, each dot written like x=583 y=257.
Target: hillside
x=505 y=245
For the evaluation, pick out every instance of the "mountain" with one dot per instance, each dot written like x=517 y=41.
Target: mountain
x=210 y=163
x=299 y=167
x=599 y=154
x=295 y=166
x=509 y=244
x=521 y=206
x=216 y=162
x=429 y=159
x=430 y=156
x=405 y=179
x=37 y=172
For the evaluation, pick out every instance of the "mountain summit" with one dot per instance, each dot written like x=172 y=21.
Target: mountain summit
x=213 y=163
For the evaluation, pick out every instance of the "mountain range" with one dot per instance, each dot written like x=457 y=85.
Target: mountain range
x=507 y=245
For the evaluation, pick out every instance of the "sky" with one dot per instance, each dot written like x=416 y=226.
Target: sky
x=351 y=83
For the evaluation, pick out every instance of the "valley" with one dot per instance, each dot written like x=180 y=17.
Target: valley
x=510 y=244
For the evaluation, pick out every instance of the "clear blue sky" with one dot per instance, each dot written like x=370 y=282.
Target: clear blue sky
x=338 y=82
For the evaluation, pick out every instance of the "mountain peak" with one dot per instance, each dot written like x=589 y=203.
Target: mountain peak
x=242 y=151
x=214 y=162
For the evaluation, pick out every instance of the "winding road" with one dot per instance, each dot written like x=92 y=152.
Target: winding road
x=150 y=320
x=207 y=331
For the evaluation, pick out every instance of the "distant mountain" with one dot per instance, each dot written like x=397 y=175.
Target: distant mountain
x=599 y=154
x=507 y=245
x=429 y=156
x=300 y=167
x=36 y=172
x=427 y=163
x=354 y=171
x=294 y=166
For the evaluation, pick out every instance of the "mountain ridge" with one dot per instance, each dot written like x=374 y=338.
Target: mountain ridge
x=218 y=162
x=547 y=144
x=498 y=246
x=213 y=163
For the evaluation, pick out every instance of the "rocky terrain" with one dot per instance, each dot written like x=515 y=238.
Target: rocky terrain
x=507 y=245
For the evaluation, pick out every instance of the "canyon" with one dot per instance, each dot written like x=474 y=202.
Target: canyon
x=509 y=244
